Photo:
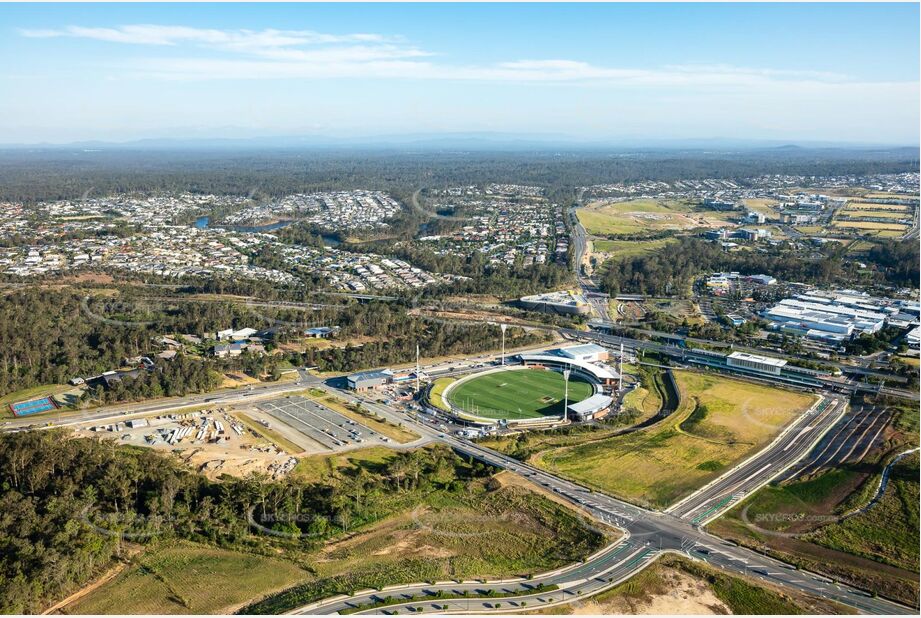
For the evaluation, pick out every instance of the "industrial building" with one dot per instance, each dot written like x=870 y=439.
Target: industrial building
x=375 y=378
x=913 y=338
x=566 y=303
x=828 y=319
x=764 y=364
x=366 y=380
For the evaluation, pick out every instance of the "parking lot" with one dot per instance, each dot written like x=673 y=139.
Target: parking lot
x=327 y=427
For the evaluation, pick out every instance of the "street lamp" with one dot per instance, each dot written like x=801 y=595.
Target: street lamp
x=502 y=327
x=566 y=373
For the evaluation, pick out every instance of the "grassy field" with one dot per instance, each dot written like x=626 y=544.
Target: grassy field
x=629 y=248
x=765 y=206
x=646 y=401
x=870 y=206
x=26 y=394
x=517 y=394
x=185 y=578
x=643 y=215
x=320 y=468
x=879 y=214
x=871 y=226
x=438 y=387
x=484 y=527
x=482 y=532
x=887 y=532
x=720 y=421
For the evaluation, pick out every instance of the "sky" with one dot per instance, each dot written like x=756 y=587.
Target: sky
x=789 y=72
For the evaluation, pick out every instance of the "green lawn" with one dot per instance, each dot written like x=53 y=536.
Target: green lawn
x=517 y=394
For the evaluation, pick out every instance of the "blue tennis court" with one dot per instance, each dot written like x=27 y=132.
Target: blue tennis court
x=35 y=406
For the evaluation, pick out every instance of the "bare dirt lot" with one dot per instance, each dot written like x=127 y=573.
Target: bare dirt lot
x=210 y=440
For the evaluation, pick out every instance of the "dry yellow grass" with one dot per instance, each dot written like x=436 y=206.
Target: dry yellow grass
x=720 y=422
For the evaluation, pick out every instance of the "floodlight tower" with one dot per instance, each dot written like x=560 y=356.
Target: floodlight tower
x=502 y=327
x=566 y=373
x=417 y=367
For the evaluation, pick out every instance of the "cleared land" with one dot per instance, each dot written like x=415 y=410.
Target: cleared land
x=185 y=578
x=637 y=216
x=628 y=248
x=483 y=532
x=517 y=394
x=719 y=422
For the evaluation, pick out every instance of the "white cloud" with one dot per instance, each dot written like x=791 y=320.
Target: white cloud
x=306 y=54
x=241 y=40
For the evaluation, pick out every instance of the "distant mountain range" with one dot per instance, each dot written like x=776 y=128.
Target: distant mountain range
x=473 y=141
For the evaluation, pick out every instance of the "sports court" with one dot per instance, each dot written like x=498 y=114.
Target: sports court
x=33 y=406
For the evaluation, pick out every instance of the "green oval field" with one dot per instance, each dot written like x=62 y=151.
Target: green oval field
x=517 y=394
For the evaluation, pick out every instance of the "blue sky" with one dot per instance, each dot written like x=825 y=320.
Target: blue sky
x=792 y=72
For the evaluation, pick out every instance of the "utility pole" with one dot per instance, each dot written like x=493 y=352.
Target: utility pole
x=502 y=327
x=620 y=369
x=566 y=394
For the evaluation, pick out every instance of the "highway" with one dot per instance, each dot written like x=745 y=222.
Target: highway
x=647 y=534
x=797 y=438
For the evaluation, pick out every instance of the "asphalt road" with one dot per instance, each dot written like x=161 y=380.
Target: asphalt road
x=647 y=535
x=796 y=440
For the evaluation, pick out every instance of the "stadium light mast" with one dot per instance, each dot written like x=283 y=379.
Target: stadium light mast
x=417 y=368
x=566 y=395
x=502 y=327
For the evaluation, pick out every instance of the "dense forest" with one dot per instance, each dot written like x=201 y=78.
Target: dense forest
x=50 y=336
x=36 y=174
x=70 y=505
x=668 y=270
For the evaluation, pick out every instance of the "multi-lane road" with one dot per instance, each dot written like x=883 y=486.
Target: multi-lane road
x=646 y=535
